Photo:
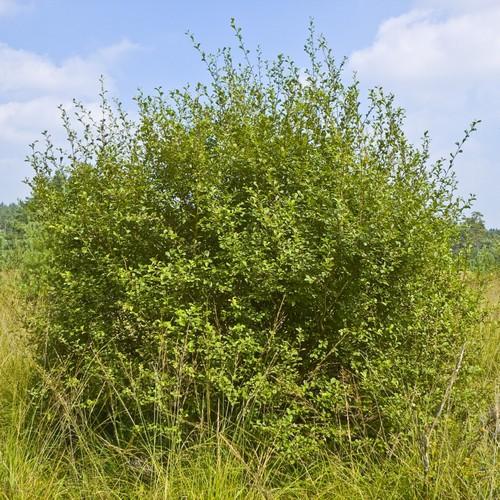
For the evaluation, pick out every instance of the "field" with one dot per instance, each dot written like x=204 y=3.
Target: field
x=38 y=460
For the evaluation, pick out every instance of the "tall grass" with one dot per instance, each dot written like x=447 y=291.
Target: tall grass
x=58 y=453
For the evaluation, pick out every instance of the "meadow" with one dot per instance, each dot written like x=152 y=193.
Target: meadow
x=36 y=460
x=257 y=288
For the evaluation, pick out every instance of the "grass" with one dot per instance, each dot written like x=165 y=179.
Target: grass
x=38 y=461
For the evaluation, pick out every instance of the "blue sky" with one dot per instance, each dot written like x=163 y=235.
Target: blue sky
x=440 y=57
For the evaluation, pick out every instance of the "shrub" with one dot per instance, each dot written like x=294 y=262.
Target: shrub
x=258 y=249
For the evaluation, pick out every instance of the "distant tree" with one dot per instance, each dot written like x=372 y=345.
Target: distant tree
x=482 y=245
x=13 y=220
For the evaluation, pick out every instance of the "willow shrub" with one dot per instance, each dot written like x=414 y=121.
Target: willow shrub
x=261 y=249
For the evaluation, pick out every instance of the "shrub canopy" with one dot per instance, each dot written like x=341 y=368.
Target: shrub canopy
x=263 y=249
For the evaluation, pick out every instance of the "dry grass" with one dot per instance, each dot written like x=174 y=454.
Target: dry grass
x=36 y=461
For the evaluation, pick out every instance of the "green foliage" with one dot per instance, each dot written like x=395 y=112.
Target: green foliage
x=482 y=245
x=13 y=222
x=259 y=249
x=37 y=462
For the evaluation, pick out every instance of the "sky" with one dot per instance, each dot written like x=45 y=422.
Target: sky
x=441 y=59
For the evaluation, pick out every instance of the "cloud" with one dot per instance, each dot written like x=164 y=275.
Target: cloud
x=7 y=6
x=32 y=87
x=26 y=73
x=109 y=55
x=418 y=48
x=441 y=60
x=21 y=122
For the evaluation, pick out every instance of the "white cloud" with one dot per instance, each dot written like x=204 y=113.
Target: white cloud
x=26 y=73
x=21 y=122
x=7 y=6
x=32 y=86
x=112 y=53
x=441 y=59
x=418 y=48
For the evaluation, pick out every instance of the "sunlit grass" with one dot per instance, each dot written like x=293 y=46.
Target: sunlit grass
x=37 y=460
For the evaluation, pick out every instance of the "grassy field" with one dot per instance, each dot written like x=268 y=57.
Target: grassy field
x=38 y=461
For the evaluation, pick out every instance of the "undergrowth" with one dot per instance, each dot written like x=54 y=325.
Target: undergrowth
x=58 y=454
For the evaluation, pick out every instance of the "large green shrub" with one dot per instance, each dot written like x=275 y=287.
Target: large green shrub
x=259 y=250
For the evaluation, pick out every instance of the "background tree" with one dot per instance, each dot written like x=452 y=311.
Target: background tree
x=481 y=244
x=13 y=220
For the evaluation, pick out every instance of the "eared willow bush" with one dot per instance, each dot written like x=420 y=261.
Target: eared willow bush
x=258 y=250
